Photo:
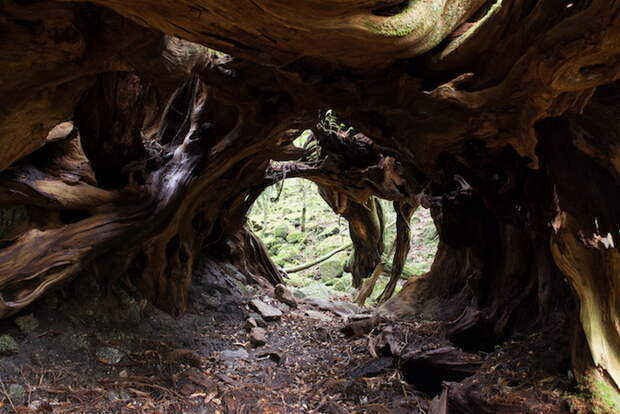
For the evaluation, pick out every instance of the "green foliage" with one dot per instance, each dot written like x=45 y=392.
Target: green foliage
x=331 y=122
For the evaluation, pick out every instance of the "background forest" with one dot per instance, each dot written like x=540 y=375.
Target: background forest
x=298 y=227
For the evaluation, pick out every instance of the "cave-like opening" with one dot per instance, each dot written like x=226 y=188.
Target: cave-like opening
x=312 y=244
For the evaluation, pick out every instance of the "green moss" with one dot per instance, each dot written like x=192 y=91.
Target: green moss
x=596 y=395
x=330 y=269
x=287 y=254
x=342 y=284
x=299 y=281
x=295 y=237
x=418 y=17
x=606 y=396
x=329 y=244
x=281 y=230
x=419 y=268
x=8 y=346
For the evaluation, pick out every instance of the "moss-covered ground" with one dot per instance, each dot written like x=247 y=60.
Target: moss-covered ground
x=277 y=218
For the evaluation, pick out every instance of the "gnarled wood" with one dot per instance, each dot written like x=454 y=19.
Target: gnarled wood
x=517 y=159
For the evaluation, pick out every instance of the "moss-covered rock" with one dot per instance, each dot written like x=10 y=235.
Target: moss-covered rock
x=297 y=280
x=342 y=257
x=273 y=245
x=270 y=241
x=295 y=237
x=287 y=254
x=8 y=346
x=316 y=290
x=329 y=244
x=343 y=284
x=330 y=269
x=330 y=231
x=282 y=230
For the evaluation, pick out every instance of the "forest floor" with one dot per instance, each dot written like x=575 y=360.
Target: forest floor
x=67 y=359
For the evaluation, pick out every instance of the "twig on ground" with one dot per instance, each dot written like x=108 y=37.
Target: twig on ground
x=8 y=397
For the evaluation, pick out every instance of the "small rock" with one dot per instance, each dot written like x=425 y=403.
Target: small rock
x=118 y=396
x=8 y=346
x=258 y=337
x=234 y=354
x=318 y=315
x=109 y=355
x=268 y=312
x=272 y=355
x=284 y=308
x=17 y=393
x=258 y=319
x=27 y=323
x=39 y=406
x=281 y=231
x=342 y=309
x=285 y=296
x=250 y=323
x=123 y=374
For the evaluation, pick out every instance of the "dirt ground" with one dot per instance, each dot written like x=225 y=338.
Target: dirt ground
x=108 y=353
x=75 y=360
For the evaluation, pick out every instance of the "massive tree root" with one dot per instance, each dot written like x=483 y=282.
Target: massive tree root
x=143 y=206
x=171 y=143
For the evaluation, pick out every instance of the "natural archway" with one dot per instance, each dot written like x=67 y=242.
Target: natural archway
x=499 y=116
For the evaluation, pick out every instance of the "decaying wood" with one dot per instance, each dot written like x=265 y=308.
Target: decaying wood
x=403 y=237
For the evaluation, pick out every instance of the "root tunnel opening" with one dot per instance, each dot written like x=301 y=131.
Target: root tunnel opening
x=313 y=245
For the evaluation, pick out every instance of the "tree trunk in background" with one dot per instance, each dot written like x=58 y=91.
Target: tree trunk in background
x=366 y=227
x=303 y=209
